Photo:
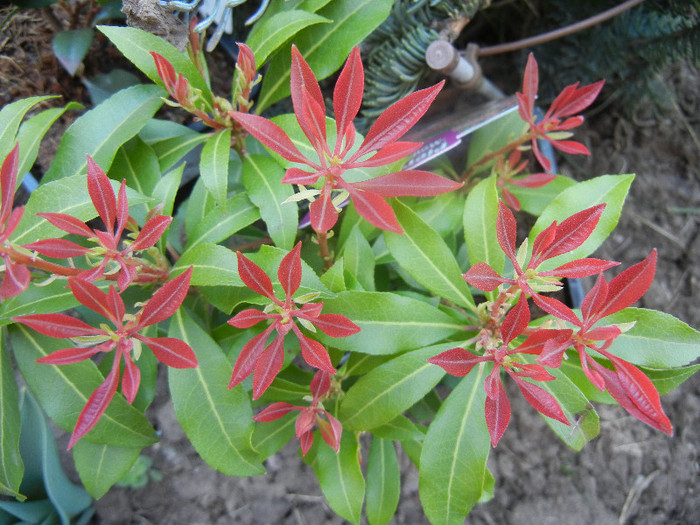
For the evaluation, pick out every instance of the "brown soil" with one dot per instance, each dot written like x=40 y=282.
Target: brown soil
x=631 y=474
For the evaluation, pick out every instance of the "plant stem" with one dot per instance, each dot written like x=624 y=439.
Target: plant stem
x=323 y=250
x=491 y=156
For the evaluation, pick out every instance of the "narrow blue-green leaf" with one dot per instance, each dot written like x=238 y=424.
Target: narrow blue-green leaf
x=102 y=130
x=325 y=46
x=262 y=178
x=611 y=189
x=425 y=256
x=63 y=391
x=383 y=482
x=219 y=224
x=390 y=389
x=10 y=117
x=217 y=420
x=268 y=35
x=70 y=47
x=479 y=220
x=212 y=265
x=11 y=465
x=358 y=259
x=389 y=323
x=101 y=466
x=32 y=131
x=453 y=461
x=339 y=475
x=657 y=340
x=213 y=165
x=136 y=45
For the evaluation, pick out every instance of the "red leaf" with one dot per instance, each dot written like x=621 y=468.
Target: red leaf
x=497 y=413
x=68 y=356
x=314 y=353
x=482 y=277
x=165 y=301
x=57 y=325
x=554 y=347
x=127 y=274
x=151 y=232
x=331 y=431
x=388 y=154
x=536 y=180
x=335 y=325
x=57 y=248
x=412 y=183
x=8 y=182
x=541 y=400
x=131 y=379
x=506 y=231
x=297 y=176
x=122 y=209
x=628 y=287
x=594 y=299
x=457 y=361
x=305 y=442
x=312 y=120
x=246 y=360
x=320 y=384
x=165 y=69
x=254 y=277
x=274 y=412
x=109 y=305
x=249 y=317
x=544 y=161
x=515 y=321
x=573 y=232
x=570 y=146
x=347 y=94
x=322 y=212
x=303 y=83
x=102 y=194
x=375 y=210
x=97 y=404
x=556 y=308
x=594 y=376
x=16 y=279
x=268 y=366
x=573 y=100
x=272 y=136
x=543 y=240
x=305 y=421
x=530 y=86
x=170 y=351
x=536 y=342
x=289 y=272
x=510 y=199
x=581 y=268
x=397 y=119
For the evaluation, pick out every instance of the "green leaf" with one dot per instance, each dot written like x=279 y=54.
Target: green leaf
x=101 y=466
x=658 y=340
x=480 y=216
x=666 y=381
x=70 y=47
x=611 y=189
x=63 y=391
x=51 y=298
x=212 y=265
x=535 y=200
x=136 y=162
x=268 y=35
x=217 y=420
x=358 y=259
x=166 y=189
x=198 y=206
x=10 y=117
x=170 y=141
x=389 y=323
x=339 y=475
x=443 y=213
x=32 y=131
x=262 y=178
x=11 y=465
x=325 y=46
x=494 y=136
x=333 y=278
x=137 y=44
x=425 y=256
x=400 y=429
x=268 y=438
x=453 y=461
x=390 y=389
x=219 y=224
x=102 y=130
x=383 y=482
x=213 y=165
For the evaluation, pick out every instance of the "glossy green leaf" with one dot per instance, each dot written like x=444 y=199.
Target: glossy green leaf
x=50 y=298
x=425 y=256
x=400 y=429
x=199 y=204
x=217 y=420
x=102 y=130
x=479 y=220
x=339 y=475
x=32 y=131
x=218 y=224
x=10 y=117
x=334 y=278
x=453 y=461
x=443 y=213
x=213 y=165
x=611 y=189
x=268 y=438
x=212 y=265
x=63 y=391
x=70 y=47
x=535 y=200
x=11 y=465
x=269 y=259
x=170 y=141
x=262 y=178
x=358 y=259
x=657 y=340
x=668 y=380
x=136 y=162
x=383 y=482
x=136 y=45
x=166 y=189
x=269 y=34
x=390 y=389
x=389 y=323
x=101 y=466
x=325 y=46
